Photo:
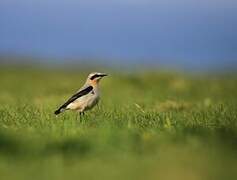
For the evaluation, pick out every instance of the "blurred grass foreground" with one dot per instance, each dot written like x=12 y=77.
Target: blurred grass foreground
x=148 y=125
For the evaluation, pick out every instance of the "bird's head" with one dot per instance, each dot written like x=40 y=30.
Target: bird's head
x=95 y=77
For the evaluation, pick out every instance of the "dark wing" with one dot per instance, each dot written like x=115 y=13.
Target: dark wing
x=74 y=97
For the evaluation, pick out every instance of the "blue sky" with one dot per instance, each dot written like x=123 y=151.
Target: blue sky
x=190 y=33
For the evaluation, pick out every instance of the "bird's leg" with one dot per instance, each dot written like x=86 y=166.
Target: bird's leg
x=82 y=114
x=79 y=116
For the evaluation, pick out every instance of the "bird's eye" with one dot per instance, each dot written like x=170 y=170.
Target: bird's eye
x=94 y=76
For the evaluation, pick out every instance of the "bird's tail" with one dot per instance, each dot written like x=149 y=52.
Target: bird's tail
x=58 y=111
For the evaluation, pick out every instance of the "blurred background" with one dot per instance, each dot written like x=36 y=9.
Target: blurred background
x=162 y=115
x=186 y=34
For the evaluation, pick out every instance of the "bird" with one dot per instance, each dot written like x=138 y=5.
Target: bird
x=86 y=97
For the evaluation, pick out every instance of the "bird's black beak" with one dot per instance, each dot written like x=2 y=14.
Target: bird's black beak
x=103 y=75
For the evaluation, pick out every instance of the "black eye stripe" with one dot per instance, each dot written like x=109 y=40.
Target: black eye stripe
x=95 y=76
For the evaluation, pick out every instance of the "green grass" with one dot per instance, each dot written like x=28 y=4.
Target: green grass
x=148 y=125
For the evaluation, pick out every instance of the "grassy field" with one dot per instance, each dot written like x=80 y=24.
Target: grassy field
x=148 y=125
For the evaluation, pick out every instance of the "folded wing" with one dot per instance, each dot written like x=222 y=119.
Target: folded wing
x=79 y=94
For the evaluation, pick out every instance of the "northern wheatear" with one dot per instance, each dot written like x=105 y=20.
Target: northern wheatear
x=86 y=97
